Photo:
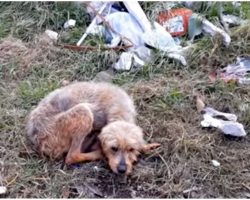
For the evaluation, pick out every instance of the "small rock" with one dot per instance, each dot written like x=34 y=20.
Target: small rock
x=104 y=76
x=215 y=163
x=52 y=34
x=69 y=24
x=3 y=189
x=96 y=168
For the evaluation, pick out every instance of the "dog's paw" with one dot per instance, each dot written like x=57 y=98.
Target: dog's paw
x=154 y=145
x=146 y=148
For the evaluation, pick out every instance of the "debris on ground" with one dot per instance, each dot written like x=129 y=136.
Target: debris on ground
x=213 y=113
x=236 y=72
x=212 y=30
x=225 y=122
x=69 y=24
x=160 y=39
x=198 y=25
x=137 y=32
x=52 y=35
x=233 y=20
x=125 y=62
x=93 y=23
x=227 y=127
x=3 y=190
x=175 y=21
x=108 y=19
x=133 y=59
x=180 y=21
x=215 y=163
x=129 y=34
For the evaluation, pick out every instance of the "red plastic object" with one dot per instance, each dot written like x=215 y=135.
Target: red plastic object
x=175 y=20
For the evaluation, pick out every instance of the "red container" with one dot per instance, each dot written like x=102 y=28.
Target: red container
x=175 y=20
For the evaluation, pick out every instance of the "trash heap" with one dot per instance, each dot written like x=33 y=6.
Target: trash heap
x=125 y=24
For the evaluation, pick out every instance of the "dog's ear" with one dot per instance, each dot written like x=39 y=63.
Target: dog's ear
x=147 y=147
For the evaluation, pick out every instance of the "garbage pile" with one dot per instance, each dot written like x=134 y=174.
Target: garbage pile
x=125 y=23
x=132 y=28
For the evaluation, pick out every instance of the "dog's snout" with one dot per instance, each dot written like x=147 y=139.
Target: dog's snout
x=122 y=168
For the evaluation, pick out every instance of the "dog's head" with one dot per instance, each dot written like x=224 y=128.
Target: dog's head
x=121 y=143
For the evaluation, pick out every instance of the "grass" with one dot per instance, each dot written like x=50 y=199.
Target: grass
x=163 y=92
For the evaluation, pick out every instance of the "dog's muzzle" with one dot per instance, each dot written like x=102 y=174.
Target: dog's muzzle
x=122 y=167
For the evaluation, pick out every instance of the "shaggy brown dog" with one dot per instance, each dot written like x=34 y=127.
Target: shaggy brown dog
x=69 y=116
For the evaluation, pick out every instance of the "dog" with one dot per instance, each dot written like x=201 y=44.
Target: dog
x=69 y=117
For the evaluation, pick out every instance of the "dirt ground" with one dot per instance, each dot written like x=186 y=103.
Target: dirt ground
x=31 y=66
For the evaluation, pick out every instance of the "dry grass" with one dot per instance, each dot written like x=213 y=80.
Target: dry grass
x=164 y=95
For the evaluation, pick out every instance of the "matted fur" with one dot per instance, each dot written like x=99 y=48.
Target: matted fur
x=63 y=119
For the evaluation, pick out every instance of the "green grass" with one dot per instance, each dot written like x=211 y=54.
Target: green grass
x=25 y=19
x=31 y=92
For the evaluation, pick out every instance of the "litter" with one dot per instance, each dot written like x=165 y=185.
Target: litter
x=137 y=32
x=129 y=34
x=97 y=8
x=3 y=189
x=92 y=25
x=52 y=34
x=194 y=27
x=232 y=20
x=136 y=11
x=175 y=21
x=133 y=59
x=212 y=30
x=69 y=24
x=227 y=127
x=198 y=25
x=215 y=163
x=237 y=72
x=214 y=113
x=160 y=39
x=180 y=21
x=108 y=22
x=125 y=62
x=212 y=118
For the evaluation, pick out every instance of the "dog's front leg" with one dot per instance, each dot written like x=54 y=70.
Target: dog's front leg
x=75 y=156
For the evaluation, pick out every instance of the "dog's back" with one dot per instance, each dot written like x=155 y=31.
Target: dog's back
x=107 y=102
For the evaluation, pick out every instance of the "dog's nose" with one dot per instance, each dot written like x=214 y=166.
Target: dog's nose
x=122 y=168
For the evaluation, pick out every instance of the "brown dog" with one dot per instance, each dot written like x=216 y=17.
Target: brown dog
x=68 y=116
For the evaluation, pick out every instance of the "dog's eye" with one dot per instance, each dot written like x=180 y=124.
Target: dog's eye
x=115 y=149
x=131 y=149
